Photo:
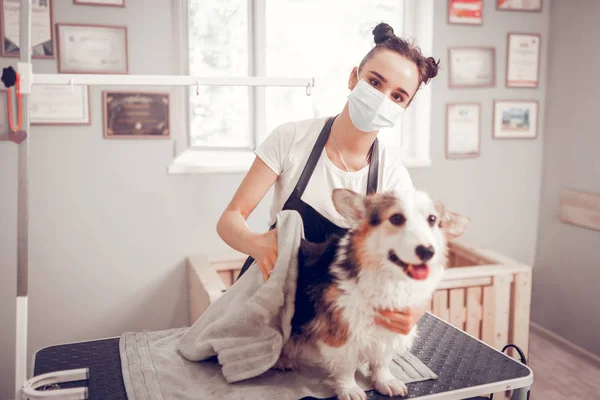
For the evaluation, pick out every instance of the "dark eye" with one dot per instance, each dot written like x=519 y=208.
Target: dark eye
x=431 y=219
x=398 y=98
x=374 y=82
x=397 y=219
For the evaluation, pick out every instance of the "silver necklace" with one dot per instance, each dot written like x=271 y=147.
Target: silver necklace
x=342 y=158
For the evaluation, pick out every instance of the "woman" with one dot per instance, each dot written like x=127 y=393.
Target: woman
x=306 y=160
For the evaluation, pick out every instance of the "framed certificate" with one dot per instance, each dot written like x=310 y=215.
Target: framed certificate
x=60 y=105
x=519 y=5
x=4 y=125
x=42 y=32
x=468 y=12
x=515 y=119
x=523 y=60
x=472 y=67
x=136 y=115
x=113 y=3
x=463 y=130
x=92 y=49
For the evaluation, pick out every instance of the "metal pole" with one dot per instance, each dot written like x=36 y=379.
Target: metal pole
x=23 y=203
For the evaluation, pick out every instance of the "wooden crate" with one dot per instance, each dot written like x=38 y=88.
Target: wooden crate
x=483 y=292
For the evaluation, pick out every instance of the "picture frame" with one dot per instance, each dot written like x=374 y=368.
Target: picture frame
x=465 y=12
x=43 y=41
x=101 y=3
x=4 y=124
x=523 y=55
x=463 y=130
x=92 y=49
x=151 y=119
x=60 y=105
x=515 y=119
x=519 y=5
x=472 y=67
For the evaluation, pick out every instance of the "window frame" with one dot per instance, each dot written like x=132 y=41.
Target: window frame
x=188 y=159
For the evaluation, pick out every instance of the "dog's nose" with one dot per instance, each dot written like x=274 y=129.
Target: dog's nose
x=425 y=253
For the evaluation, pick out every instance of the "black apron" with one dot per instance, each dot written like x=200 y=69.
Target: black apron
x=317 y=228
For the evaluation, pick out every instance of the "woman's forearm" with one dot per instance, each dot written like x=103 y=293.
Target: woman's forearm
x=234 y=231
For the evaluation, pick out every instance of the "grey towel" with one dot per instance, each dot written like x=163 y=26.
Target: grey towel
x=229 y=351
x=248 y=326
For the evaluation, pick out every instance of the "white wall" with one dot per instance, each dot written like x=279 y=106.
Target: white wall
x=110 y=230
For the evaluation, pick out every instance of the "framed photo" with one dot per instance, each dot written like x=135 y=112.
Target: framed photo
x=472 y=67
x=523 y=60
x=92 y=49
x=467 y=12
x=519 y=5
x=136 y=115
x=4 y=125
x=515 y=119
x=60 y=105
x=463 y=130
x=110 y=3
x=42 y=32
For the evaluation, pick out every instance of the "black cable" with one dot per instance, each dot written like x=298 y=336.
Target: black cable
x=521 y=354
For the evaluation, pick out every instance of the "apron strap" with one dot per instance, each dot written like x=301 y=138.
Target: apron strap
x=373 y=168
x=315 y=154
x=313 y=158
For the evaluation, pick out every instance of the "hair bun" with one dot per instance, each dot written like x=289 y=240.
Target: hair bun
x=382 y=32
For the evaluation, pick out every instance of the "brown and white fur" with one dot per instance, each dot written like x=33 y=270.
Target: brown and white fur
x=392 y=257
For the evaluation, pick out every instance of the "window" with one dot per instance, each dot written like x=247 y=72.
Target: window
x=282 y=38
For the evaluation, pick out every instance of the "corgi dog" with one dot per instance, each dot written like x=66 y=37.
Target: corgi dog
x=392 y=257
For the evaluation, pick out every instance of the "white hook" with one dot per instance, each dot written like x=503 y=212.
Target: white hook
x=308 y=89
x=72 y=88
x=197 y=88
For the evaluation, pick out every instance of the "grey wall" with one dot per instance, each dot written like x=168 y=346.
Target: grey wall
x=567 y=269
x=110 y=231
x=500 y=190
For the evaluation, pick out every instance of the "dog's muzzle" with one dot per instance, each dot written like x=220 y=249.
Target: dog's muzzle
x=417 y=272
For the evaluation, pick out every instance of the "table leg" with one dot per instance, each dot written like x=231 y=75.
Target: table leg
x=521 y=393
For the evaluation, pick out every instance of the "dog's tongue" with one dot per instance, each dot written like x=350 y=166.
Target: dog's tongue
x=419 y=272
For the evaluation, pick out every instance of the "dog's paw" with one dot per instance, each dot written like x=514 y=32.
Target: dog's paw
x=284 y=364
x=352 y=393
x=390 y=386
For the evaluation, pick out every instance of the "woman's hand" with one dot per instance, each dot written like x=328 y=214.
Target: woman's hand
x=400 y=321
x=266 y=252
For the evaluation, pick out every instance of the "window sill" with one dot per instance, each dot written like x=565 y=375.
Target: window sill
x=192 y=162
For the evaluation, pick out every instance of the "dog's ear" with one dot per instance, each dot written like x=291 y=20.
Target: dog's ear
x=349 y=204
x=455 y=224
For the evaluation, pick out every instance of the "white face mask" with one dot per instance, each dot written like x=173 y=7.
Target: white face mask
x=370 y=110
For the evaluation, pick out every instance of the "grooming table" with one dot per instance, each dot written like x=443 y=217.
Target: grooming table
x=466 y=367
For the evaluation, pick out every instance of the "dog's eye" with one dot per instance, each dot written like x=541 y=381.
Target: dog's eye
x=431 y=219
x=397 y=219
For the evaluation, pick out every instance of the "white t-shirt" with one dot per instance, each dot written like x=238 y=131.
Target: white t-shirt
x=286 y=151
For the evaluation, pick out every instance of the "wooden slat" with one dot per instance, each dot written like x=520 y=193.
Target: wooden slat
x=580 y=208
x=474 y=311
x=488 y=321
x=464 y=283
x=520 y=312
x=485 y=271
x=457 y=308
x=502 y=310
x=440 y=305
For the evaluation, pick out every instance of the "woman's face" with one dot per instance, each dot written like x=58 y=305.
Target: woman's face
x=392 y=74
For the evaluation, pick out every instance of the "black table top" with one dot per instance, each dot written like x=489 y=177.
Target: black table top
x=460 y=361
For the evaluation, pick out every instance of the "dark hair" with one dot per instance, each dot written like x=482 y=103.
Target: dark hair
x=384 y=37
